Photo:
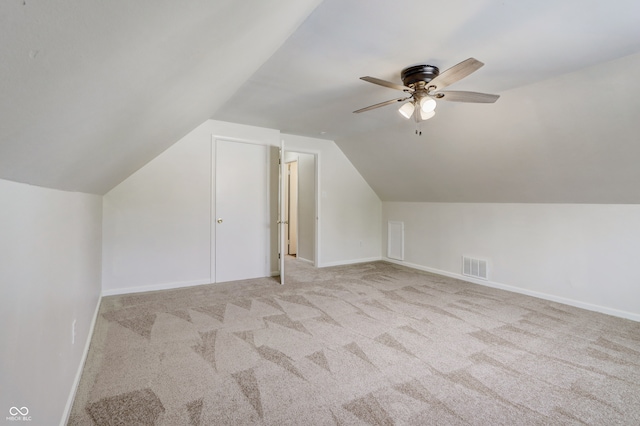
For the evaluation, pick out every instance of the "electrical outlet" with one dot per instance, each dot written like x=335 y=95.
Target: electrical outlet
x=73 y=332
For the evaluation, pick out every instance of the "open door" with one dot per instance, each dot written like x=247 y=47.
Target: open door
x=281 y=212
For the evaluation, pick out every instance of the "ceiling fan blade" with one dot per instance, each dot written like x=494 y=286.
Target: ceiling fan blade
x=387 y=84
x=381 y=104
x=456 y=96
x=455 y=73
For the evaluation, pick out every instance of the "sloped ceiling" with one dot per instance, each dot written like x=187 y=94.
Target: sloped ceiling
x=92 y=90
x=565 y=129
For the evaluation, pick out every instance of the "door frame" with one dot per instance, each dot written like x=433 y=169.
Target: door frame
x=317 y=244
x=317 y=261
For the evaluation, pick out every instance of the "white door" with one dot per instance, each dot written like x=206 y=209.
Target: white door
x=281 y=209
x=241 y=211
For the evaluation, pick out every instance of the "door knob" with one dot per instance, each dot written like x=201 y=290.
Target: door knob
x=219 y=220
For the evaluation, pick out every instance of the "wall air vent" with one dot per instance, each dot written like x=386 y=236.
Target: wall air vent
x=476 y=268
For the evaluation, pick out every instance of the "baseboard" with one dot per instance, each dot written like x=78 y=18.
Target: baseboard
x=571 y=302
x=302 y=259
x=350 y=262
x=76 y=381
x=154 y=287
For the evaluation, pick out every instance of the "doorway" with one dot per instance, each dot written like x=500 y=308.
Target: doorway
x=247 y=233
x=291 y=208
x=300 y=205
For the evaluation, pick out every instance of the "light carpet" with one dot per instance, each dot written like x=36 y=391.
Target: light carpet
x=370 y=344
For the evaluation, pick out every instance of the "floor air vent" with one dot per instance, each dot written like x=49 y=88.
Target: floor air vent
x=475 y=268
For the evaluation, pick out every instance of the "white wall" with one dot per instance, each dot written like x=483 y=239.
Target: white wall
x=349 y=213
x=50 y=263
x=157 y=223
x=580 y=254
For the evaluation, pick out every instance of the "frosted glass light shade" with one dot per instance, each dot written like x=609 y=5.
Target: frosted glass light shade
x=427 y=104
x=407 y=109
x=426 y=115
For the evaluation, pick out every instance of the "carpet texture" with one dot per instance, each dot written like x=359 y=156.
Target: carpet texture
x=370 y=344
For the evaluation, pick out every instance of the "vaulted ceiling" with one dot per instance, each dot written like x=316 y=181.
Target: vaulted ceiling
x=90 y=91
x=564 y=130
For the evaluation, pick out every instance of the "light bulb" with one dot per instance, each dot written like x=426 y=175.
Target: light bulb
x=427 y=104
x=407 y=109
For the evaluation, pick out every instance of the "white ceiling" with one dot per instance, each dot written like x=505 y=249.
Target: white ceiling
x=564 y=130
x=92 y=90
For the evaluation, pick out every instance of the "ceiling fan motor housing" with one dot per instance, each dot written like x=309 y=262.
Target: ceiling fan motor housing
x=417 y=73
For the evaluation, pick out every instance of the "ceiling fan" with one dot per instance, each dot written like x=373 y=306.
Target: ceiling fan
x=422 y=86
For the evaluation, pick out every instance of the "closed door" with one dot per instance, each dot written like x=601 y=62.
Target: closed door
x=242 y=228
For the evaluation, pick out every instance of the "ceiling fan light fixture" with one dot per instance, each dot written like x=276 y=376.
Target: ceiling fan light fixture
x=427 y=104
x=421 y=85
x=406 y=110
x=427 y=115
